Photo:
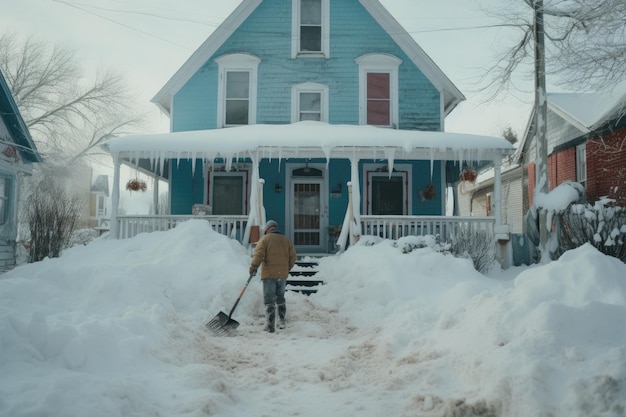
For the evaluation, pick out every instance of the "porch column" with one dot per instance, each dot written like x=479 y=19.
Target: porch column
x=254 y=210
x=497 y=190
x=351 y=229
x=115 y=198
x=155 y=194
x=356 y=199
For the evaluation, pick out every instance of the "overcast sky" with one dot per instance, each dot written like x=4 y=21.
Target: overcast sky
x=148 y=40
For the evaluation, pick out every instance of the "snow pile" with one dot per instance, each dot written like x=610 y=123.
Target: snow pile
x=115 y=328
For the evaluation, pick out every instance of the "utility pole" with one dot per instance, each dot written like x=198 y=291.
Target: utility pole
x=542 y=184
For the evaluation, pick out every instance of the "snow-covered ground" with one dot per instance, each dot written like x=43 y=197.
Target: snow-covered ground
x=116 y=328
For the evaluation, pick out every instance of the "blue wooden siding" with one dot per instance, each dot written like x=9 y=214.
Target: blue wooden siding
x=274 y=202
x=267 y=34
x=187 y=188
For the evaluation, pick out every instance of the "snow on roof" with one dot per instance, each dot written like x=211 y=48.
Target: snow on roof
x=590 y=109
x=311 y=140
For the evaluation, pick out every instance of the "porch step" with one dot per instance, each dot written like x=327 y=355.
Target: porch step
x=301 y=278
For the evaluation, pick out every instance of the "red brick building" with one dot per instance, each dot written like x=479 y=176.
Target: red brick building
x=586 y=143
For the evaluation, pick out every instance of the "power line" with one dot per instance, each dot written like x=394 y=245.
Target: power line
x=69 y=4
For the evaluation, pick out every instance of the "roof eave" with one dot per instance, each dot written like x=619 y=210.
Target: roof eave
x=206 y=50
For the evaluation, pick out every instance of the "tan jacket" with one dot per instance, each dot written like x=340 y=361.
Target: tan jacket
x=277 y=254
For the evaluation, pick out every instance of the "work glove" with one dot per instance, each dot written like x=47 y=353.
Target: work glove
x=252 y=271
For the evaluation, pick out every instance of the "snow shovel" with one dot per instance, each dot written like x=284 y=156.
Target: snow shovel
x=223 y=324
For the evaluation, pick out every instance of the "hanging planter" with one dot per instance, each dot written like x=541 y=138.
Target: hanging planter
x=468 y=174
x=136 y=185
x=428 y=193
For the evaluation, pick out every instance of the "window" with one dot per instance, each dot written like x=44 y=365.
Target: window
x=310 y=28
x=309 y=102
x=490 y=204
x=5 y=189
x=378 y=89
x=237 y=89
x=237 y=97
x=581 y=163
x=378 y=101
x=228 y=193
x=388 y=194
x=100 y=206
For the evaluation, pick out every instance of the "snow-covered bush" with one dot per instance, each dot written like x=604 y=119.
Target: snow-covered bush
x=602 y=224
x=82 y=237
x=477 y=245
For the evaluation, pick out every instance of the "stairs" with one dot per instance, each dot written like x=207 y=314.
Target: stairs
x=302 y=277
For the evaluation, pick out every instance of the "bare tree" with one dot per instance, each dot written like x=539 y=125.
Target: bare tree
x=68 y=114
x=585 y=43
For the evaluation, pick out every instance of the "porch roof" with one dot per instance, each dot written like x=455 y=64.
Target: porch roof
x=310 y=140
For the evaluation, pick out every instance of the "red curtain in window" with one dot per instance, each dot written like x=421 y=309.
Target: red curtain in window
x=378 y=99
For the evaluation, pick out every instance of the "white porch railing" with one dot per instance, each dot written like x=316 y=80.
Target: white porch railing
x=130 y=226
x=387 y=227
x=394 y=227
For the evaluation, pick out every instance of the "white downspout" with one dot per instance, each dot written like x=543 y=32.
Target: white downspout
x=115 y=198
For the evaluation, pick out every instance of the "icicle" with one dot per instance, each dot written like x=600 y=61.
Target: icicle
x=193 y=163
x=432 y=163
x=327 y=149
x=390 y=155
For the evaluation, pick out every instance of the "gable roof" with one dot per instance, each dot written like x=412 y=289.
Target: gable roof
x=101 y=185
x=587 y=112
x=15 y=124
x=452 y=96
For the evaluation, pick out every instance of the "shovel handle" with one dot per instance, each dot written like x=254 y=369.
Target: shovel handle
x=232 y=310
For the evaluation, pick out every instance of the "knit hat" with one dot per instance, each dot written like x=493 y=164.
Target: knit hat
x=270 y=224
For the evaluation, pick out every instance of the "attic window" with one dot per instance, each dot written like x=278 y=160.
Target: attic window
x=309 y=101
x=310 y=28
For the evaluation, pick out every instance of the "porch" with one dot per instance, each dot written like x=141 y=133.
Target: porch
x=317 y=211
x=386 y=227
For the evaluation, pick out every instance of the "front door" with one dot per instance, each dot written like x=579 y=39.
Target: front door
x=308 y=213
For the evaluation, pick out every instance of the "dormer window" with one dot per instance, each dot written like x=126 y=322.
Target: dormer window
x=310 y=28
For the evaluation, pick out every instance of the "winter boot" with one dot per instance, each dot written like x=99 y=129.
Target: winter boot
x=270 y=318
x=282 y=310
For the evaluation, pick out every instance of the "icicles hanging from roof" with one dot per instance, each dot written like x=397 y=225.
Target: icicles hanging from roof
x=390 y=154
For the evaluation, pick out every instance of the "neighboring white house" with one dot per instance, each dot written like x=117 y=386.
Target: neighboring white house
x=477 y=198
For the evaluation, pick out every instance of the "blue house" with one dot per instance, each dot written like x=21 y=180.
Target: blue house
x=17 y=154
x=331 y=104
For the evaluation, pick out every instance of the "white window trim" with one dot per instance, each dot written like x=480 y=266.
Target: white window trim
x=237 y=62
x=295 y=32
x=369 y=169
x=581 y=170
x=378 y=63
x=308 y=88
x=244 y=175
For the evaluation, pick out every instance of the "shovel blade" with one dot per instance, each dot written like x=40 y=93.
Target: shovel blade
x=221 y=324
